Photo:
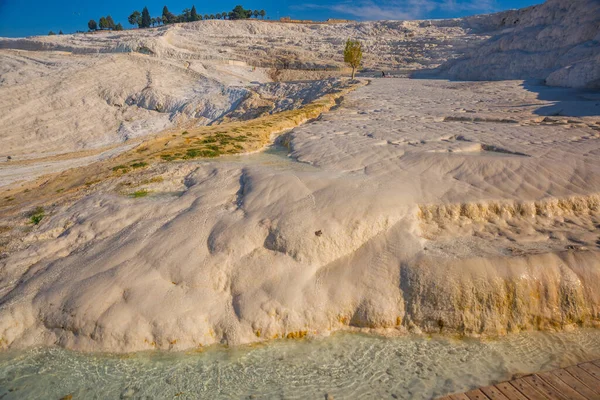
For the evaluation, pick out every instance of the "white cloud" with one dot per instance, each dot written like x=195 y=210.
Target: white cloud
x=402 y=9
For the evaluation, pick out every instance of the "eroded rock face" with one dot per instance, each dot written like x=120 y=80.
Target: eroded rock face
x=557 y=41
x=427 y=223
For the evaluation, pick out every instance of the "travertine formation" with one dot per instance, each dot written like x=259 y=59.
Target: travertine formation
x=413 y=206
x=557 y=41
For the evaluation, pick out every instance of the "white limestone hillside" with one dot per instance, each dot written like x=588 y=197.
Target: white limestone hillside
x=388 y=44
x=68 y=93
x=558 y=41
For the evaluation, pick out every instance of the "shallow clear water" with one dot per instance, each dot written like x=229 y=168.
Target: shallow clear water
x=345 y=366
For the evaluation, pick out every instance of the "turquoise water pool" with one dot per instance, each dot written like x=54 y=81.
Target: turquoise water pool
x=343 y=366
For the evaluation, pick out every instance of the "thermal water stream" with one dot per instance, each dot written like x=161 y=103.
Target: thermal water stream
x=343 y=366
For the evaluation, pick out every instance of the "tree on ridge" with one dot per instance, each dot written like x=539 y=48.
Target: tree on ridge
x=110 y=24
x=92 y=25
x=103 y=23
x=135 y=18
x=146 y=19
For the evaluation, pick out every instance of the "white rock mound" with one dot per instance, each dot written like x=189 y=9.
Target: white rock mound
x=558 y=41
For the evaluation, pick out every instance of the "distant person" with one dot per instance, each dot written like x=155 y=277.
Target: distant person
x=383 y=74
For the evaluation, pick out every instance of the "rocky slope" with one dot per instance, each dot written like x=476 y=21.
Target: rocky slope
x=558 y=41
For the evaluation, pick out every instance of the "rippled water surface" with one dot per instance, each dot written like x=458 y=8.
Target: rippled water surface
x=344 y=366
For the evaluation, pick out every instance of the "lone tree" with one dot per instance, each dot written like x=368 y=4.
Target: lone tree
x=353 y=55
x=135 y=18
x=262 y=13
x=92 y=25
x=194 y=14
x=146 y=19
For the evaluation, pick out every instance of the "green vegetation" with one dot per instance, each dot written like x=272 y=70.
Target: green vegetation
x=139 y=164
x=37 y=215
x=210 y=146
x=135 y=18
x=353 y=55
x=139 y=193
x=144 y=20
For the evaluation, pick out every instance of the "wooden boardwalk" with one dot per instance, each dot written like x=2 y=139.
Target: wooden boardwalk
x=574 y=383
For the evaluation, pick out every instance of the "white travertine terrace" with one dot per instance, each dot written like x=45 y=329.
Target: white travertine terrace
x=415 y=206
x=433 y=217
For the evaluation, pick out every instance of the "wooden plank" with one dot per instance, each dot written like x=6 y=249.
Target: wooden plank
x=543 y=387
x=565 y=390
x=528 y=390
x=510 y=392
x=576 y=384
x=460 y=396
x=584 y=377
x=476 y=395
x=591 y=369
x=493 y=393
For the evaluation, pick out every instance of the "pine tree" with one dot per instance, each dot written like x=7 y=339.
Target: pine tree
x=92 y=25
x=119 y=27
x=103 y=24
x=262 y=14
x=146 y=19
x=60 y=32
x=110 y=23
x=193 y=14
x=165 y=15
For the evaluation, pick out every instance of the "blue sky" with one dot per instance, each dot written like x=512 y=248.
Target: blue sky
x=35 y=17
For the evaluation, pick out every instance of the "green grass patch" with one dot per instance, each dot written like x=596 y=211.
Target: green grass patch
x=139 y=193
x=139 y=165
x=37 y=215
x=168 y=157
x=195 y=153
